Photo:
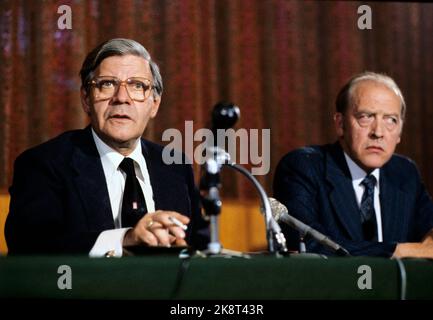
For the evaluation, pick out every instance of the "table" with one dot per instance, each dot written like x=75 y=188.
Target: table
x=169 y=277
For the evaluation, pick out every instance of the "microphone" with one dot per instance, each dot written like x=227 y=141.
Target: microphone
x=281 y=214
x=224 y=115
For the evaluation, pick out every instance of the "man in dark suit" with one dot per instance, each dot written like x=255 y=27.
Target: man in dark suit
x=357 y=191
x=102 y=188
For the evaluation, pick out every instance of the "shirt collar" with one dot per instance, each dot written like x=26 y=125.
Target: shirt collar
x=111 y=158
x=357 y=173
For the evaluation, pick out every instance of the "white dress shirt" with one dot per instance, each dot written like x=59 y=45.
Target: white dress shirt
x=111 y=240
x=357 y=176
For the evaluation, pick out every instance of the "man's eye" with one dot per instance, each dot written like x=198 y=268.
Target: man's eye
x=364 y=116
x=364 y=119
x=391 y=120
x=138 y=85
x=106 y=84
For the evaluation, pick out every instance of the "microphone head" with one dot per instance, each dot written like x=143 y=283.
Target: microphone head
x=225 y=115
x=277 y=208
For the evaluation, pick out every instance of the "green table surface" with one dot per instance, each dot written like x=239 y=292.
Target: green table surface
x=169 y=277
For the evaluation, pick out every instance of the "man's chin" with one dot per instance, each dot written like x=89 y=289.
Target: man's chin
x=121 y=133
x=372 y=162
x=124 y=141
x=120 y=138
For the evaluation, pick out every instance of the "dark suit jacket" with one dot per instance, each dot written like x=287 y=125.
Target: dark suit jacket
x=316 y=186
x=60 y=202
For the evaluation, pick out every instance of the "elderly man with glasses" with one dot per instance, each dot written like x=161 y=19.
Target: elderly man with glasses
x=99 y=189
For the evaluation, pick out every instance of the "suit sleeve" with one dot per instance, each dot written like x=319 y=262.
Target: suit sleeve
x=298 y=184
x=37 y=222
x=423 y=217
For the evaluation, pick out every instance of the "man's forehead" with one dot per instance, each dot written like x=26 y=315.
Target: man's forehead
x=130 y=64
x=373 y=89
x=375 y=96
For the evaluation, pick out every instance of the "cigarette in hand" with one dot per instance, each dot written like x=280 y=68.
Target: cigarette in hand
x=178 y=223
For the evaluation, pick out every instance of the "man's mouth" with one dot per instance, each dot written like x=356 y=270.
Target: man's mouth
x=375 y=148
x=120 y=116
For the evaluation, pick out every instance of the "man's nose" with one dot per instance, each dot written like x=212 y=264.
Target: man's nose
x=122 y=95
x=377 y=128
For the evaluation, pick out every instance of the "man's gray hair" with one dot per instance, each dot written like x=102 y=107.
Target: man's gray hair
x=344 y=97
x=118 y=47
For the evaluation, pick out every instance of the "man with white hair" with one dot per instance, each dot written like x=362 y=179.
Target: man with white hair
x=357 y=191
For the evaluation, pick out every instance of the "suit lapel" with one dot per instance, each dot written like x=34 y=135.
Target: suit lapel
x=341 y=194
x=90 y=182
x=156 y=174
x=165 y=186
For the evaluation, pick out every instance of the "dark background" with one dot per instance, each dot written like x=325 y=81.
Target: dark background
x=282 y=62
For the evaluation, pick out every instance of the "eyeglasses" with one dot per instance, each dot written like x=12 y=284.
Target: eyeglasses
x=106 y=87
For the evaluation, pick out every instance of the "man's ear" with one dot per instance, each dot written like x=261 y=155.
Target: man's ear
x=339 y=123
x=85 y=101
x=155 y=106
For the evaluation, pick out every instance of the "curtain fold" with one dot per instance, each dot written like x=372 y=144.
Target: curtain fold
x=282 y=62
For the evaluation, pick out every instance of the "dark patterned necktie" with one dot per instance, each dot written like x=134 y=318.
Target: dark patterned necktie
x=368 y=215
x=133 y=203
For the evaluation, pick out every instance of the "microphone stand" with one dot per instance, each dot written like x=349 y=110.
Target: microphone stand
x=224 y=116
x=212 y=203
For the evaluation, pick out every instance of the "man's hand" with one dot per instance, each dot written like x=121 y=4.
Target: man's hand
x=422 y=249
x=156 y=229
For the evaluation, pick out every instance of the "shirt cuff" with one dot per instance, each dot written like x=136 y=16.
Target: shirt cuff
x=109 y=242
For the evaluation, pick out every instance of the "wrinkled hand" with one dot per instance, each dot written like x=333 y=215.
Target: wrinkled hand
x=156 y=229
